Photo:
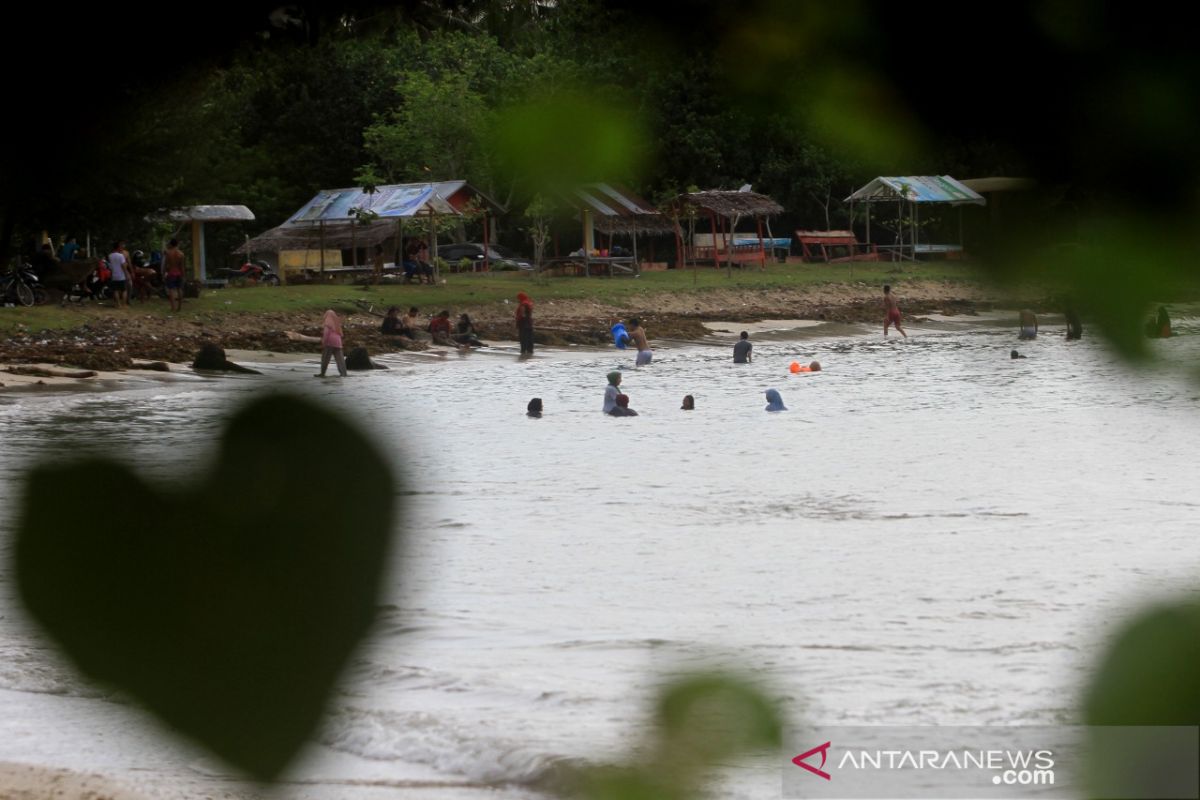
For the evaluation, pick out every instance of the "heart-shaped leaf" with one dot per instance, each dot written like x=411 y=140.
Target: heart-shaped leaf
x=226 y=602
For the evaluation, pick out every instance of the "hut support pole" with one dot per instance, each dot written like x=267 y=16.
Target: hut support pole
x=321 y=244
x=487 y=245
x=762 y=246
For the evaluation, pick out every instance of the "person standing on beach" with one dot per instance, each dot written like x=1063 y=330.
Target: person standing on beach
x=173 y=263
x=119 y=282
x=377 y=264
x=637 y=335
x=741 y=350
x=891 y=311
x=525 y=323
x=1029 y=324
x=331 y=343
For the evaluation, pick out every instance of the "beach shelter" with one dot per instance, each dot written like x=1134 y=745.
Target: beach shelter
x=197 y=216
x=613 y=211
x=354 y=217
x=911 y=192
x=724 y=209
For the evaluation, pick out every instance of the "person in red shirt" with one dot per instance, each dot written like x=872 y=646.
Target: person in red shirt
x=439 y=328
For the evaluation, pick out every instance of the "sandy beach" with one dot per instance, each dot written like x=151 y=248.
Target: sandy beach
x=113 y=342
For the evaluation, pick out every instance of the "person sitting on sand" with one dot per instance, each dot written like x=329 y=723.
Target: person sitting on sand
x=1029 y=325
x=465 y=333
x=392 y=326
x=439 y=329
x=775 y=401
x=622 y=408
x=689 y=403
x=534 y=409
x=611 y=391
x=410 y=323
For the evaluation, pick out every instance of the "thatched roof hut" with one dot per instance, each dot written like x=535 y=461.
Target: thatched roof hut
x=730 y=204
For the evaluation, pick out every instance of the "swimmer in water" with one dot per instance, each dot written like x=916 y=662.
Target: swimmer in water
x=775 y=401
x=534 y=409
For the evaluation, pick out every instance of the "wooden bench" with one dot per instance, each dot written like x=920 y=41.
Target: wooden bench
x=724 y=249
x=834 y=247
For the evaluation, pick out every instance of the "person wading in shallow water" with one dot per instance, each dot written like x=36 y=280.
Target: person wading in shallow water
x=331 y=343
x=891 y=312
x=525 y=323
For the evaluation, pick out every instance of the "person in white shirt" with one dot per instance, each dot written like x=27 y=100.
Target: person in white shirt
x=120 y=274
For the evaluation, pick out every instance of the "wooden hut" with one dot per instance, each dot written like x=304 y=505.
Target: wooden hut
x=723 y=210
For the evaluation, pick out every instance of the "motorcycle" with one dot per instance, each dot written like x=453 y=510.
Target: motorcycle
x=21 y=286
x=253 y=272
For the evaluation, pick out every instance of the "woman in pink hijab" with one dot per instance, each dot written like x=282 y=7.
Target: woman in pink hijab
x=331 y=343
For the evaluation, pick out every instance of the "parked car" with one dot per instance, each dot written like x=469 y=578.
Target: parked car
x=498 y=257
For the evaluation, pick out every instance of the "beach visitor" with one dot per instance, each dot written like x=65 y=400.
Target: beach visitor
x=637 y=335
x=1014 y=355
x=611 y=391
x=377 y=264
x=775 y=401
x=410 y=323
x=689 y=403
x=1160 y=326
x=814 y=366
x=525 y=323
x=622 y=408
x=891 y=311
x=1029 y=324
x=67 y=252
x=391 y=325
x=741 y=350
x=534 y=409
x=173 y=264
x=1074 y=324
x=119 y=282
x=465 y=333
x=43 y=261
x=439 y=329
x=331 y=343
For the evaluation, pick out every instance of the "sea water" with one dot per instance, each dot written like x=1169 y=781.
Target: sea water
x=933 y=533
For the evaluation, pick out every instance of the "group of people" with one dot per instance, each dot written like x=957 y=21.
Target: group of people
x=127 y=275
x=439 y=327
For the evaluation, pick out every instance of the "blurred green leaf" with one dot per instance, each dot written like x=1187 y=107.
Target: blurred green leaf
x=558 y=142
x=712 y=717
x=1149 y=677
x=228 y=602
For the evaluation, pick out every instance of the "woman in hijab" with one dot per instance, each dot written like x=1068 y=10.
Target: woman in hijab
x=391 y=323
x=465 y=333
x=534 y=409
x=774 y=401
x=525 y=323
x=331 y=343
x=611 y=391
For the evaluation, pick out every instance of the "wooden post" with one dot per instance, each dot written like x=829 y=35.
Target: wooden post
x=487 y=244
x=762 y=246
x=197 y=250
x=353 y=244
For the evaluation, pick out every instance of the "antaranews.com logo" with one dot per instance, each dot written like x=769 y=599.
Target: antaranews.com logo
x=978 y=762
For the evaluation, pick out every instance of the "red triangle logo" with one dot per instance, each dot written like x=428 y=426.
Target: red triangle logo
x=818 y=771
